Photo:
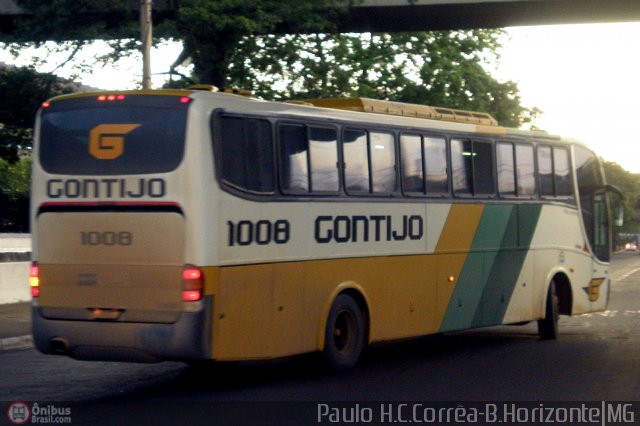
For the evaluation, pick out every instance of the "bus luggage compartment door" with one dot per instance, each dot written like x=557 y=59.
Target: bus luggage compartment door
x=111 y=266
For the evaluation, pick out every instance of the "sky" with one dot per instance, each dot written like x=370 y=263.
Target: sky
x=584 y=78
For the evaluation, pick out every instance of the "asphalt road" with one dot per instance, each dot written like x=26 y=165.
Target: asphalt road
x=595 y=358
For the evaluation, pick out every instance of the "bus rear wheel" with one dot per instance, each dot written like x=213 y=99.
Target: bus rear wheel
x=548 y=327
x=344 y=337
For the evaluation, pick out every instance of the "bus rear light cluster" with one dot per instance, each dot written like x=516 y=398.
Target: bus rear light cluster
x=192 y=283
x=34 y=279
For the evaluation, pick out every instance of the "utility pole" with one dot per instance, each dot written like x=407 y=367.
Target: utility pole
x=146 y=38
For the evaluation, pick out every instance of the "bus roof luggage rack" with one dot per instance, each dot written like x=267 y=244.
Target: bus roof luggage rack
x=236 y=91
x=407 y=110
x=203 y=87
x=212 y=88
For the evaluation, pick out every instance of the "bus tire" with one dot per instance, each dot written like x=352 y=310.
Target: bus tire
x=548 y=327
x=344 y=337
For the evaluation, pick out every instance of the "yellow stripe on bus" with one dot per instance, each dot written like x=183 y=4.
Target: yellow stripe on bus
x=456 y=239
x=279 y=309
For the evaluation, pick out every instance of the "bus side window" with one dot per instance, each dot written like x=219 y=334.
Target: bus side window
x=435 y=154
x=247 y=154
x=506 y=169
x=525 y=171
x=545 y=170
x=562 y=172
x=412 y=164
x=383 y=162
x=593 y=210
x=356 y=161
x=483 y=168
x=294 y=164
x=462 y=172
x=323 y=150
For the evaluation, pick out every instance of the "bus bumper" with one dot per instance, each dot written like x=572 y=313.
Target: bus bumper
x=186 y=339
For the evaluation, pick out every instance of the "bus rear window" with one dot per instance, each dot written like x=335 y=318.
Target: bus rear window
x=111 y=140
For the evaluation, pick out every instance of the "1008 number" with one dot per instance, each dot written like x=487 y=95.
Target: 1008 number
x=108 y=238
x=262 y=232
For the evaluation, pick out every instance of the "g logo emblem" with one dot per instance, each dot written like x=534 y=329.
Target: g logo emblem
x=106 y=141
x=593 y=291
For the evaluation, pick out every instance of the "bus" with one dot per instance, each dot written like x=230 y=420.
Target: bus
x=202 y=225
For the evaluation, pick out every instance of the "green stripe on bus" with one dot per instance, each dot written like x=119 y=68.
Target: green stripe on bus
x=489 y=275
x=507 y=267
x=470 y=285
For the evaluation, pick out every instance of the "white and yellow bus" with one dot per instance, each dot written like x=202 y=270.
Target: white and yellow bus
x=191 y=225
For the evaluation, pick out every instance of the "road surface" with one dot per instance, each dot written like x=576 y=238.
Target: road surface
x=595 y=358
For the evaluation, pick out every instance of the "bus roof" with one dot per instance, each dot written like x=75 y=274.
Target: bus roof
x=484 y=123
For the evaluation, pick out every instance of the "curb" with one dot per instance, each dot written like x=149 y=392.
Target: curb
x=16 y=343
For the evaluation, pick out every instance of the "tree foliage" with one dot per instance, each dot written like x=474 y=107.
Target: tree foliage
x=61 y=20
x=213 y=30
x=21 y=92
x=65 y=27
x=243 y=43
x=436 y=68
x=210 y=29
x=15 y=180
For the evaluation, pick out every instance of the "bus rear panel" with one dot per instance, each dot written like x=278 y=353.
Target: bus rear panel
x=109 y=257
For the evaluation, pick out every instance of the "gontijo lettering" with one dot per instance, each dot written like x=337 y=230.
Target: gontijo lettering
x=343 y=229
x=106 y=188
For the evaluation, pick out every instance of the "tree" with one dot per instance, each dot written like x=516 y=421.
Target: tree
x=442 y=68
x=63 y=20
x=72 y=24
x=213 y=30
x=210 y=29
x=22 y=90
x=243 y=43
x=230 y=45
x=15 y=179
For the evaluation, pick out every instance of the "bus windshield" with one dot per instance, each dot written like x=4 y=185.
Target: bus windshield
x=116 y=139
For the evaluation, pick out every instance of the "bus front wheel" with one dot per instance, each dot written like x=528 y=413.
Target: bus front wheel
x=344 y=337
x=548 y=327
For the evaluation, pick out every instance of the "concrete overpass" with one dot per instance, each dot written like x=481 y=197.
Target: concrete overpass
x=414 y=15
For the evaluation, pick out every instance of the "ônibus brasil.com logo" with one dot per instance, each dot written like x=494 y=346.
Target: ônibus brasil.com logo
x=19 y=413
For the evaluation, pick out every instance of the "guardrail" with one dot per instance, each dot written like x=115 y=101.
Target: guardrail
x=15 y=243
x=14 y=282
x=15 y=254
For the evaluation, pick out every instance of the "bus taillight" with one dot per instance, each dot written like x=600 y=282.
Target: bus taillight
x=34 y=279
x=192 y=283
